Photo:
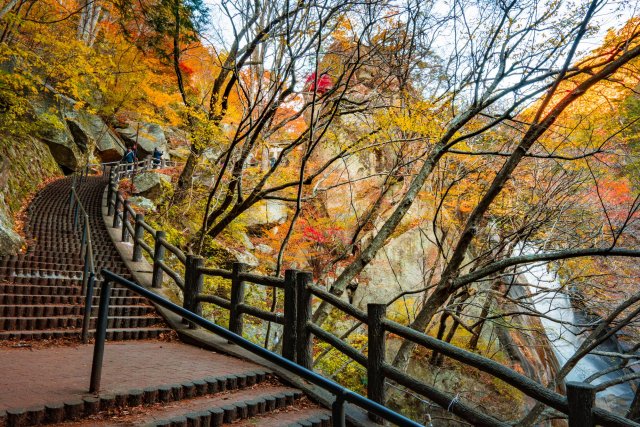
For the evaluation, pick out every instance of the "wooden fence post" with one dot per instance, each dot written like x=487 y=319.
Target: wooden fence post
x=304 y=345
x=193 y=281
x=125 y=220
x=138 y=235
x=237 y=298
x=581 y=397
x=377 y=347
x=110 y=202
x=116 y=217
x=109 y=191
x=289 y=337
x=158 y=257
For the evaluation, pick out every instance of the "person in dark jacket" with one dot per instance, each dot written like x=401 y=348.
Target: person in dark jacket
x=128 y=158
x=157 y=157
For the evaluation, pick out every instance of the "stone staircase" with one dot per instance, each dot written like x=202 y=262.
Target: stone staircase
x=149 y=378
x=41 y=290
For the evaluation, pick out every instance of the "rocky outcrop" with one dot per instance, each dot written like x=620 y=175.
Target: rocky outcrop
x=73 y=134
x=142 y=203
x=267 y=213
x=149 y=184
x=10 y=241
x=57 y=136
x=148 y=136
x=89 y=130
x=24 y=164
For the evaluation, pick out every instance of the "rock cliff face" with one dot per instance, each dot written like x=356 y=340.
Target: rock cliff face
x=148 y=136
x=24 y=164
x=77 y=135
x=68 y=139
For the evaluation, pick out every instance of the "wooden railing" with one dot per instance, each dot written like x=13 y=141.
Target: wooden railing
x=298 y=341
x=121 y=169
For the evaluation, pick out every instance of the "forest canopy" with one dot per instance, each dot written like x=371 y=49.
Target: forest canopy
x=431 y=156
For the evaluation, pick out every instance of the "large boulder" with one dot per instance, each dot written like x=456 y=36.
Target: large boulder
x=147 y=135
x=267 y=213
x=402 y=266
x=176 y=137
x=149 y=184
x=89 y=130
x=57 y=135
x=73 y=133
x=142 y=203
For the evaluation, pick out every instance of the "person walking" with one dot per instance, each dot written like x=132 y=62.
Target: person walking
x=157 y=157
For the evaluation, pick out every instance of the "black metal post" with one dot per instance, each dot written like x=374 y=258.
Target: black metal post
x=116 y=206
x=101 y=336
x=289 y=337
x=304 y=339
x=581 y=397
x=83 y=240
x=138 y=235
x=158 y=257
x=88 y=305
x=237 y=298
x=337 y=412
x=125 y=220
x=375 y=359
x=85 y=272
x=75 y=216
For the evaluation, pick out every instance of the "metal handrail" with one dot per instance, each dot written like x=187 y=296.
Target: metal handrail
x=86 y=250
x=342 y=394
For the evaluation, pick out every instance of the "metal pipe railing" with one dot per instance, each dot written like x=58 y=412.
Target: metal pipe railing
x=342 y=394
x=80 y=214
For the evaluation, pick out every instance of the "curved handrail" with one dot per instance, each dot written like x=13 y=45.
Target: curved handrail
x=86 y=248
x=342 y=394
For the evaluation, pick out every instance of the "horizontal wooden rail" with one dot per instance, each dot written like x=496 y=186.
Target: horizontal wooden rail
x=218 y=272
x=258 y=279
x=261 y=314
x=129 y=227
x=445 y=400
x=175 y=276
x=338 y=303
x=148 y=249
x=339 y=345
x=148 y=229
x=131 y=211
x=524 y=384
x=214 y=299
x=174 y=250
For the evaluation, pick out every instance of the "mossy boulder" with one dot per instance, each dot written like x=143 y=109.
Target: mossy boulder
x=149 y=184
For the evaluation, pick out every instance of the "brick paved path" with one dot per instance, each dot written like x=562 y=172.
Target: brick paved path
x=50 y=375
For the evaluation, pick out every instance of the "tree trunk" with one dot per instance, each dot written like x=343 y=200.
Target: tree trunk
x=473 y=342
x=88 y=24
x=184 y=181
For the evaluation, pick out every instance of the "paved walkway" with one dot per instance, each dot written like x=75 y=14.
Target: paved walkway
x=33 y=377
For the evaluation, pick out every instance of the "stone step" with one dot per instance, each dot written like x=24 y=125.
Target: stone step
x=19 y=299
x=74 y=322
x=233 y=387
x=27 y=289
x=112 y=334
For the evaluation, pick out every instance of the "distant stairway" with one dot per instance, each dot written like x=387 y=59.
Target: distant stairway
x=41 y=290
